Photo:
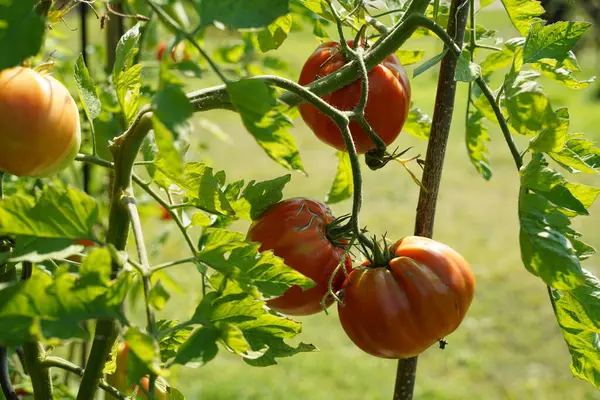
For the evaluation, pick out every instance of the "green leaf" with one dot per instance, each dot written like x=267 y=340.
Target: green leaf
x=158 y=296
x=21 y=31
x=558 y=72
x=528 y=106
x=263 y=330
x=169 y=343
x=476 y=139
x=578 y=155
x=273 y=36
x=61 y=212
x=577 y=315
x=545 y=250
x=466 y=71
x=143 y=356
x=552 y=41
x=343 y=185
x=200 y=346
x=261 y=114
x=36 y=249
x=523 y=13
x=173 y=108
x=87 y=90
x=44 y=307
x=501 y=59
x=485 y=3
x=200 y=219
x=126 y=76
x=200 y=186
x=552 y=138
x=163 y=141
x=418 y=124
x=238 y=260
x=257 y=197
x=429 y=64
x=409 y=57
x=241 y=14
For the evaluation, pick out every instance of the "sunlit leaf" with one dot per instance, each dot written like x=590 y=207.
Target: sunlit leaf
x=552 y=41
x=477 y=139
x=418 y=124
x=523 y=13
x=343 y=185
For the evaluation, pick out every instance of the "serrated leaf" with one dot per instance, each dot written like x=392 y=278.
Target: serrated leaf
x=343 y=185
x=466 y=71
x=241 y=14
x=523 y=13
x=545 y=250
x=169 y=343
x=61 y=212
x=552 y=138
x=429 y=63
x=240 y=261
x=577 y=315
x=263 y=330
x=88 y=94
x=528 y=106
x=476 y=140
x=260 y=112
x=578 y=155
x=158 y=296
x=409 y=57
x=257 y=197
x=273 y=36
x=418 y=124
x=200 y=346
x=126 y=76
x=21 y=31
x=552 y=41
x=558 y=72
x=201 y=187
x=44 y=307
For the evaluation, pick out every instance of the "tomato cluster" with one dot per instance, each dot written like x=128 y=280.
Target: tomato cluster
x=393 y=310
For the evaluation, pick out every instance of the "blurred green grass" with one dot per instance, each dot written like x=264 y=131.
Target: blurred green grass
x=509 y=346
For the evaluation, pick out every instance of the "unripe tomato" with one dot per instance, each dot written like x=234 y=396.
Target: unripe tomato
x=178 y=53
x=295 y=229
x=118 y=379
x=40 y=130
x=388 y=99
x=399 y=310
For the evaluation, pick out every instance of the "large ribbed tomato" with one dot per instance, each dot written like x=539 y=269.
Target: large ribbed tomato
x=399 y=310
x=39 y=124
x=295 y=229
x=388 y=99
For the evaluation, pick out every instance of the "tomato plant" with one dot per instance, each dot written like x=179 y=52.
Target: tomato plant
x=296 y=230
x=400 y=309
x=123 y=227
x=389 y=88
x=40 y=130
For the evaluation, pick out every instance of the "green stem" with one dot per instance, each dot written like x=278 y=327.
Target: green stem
x=125 y=149
x=173 y=263
x=40 y=375
x=77 y=370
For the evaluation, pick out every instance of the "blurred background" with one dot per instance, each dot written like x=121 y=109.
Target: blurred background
x=508 y=347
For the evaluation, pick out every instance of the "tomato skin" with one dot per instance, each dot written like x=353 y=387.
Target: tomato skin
x=39 y=124
x=295 y=230
x=164 y=214
x=388 y=99
x=178 y=53
x=400 y=310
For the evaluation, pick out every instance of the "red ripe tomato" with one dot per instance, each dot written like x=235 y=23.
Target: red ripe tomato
x=388 y=99
x=164 y=214
x=39 y=124
x=295 y=229
x=399 y=310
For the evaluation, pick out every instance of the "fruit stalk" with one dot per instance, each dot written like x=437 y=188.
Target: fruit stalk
x=432 y=174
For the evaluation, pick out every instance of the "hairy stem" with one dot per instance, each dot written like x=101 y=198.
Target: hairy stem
x=40 y=375
x=77 y=370
x=432 y=173
x=125 y=149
